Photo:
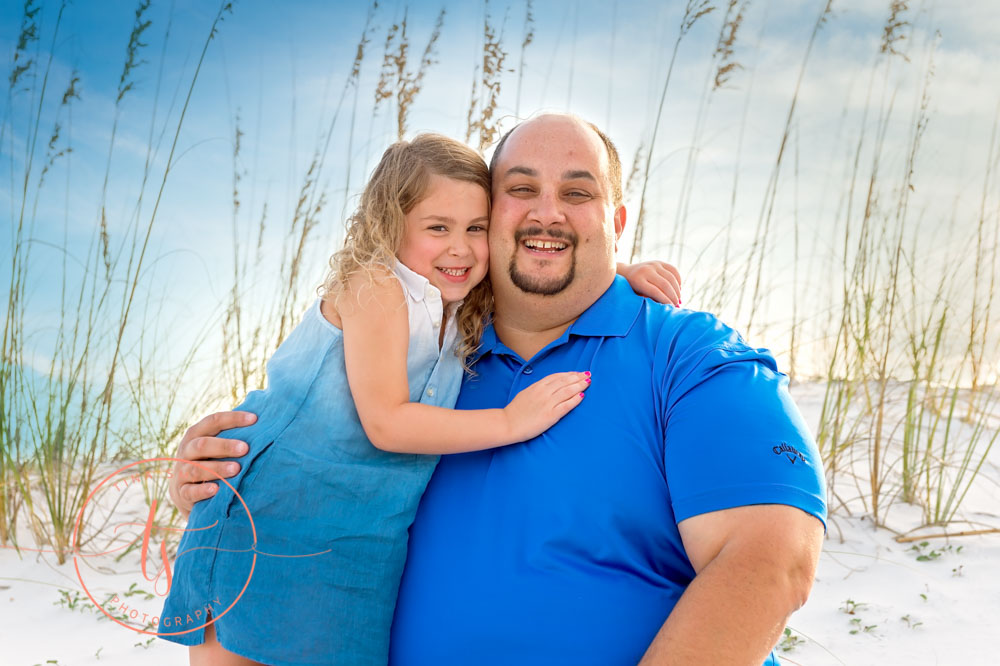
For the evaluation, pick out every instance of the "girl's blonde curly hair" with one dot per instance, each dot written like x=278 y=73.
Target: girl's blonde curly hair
x=375 y=230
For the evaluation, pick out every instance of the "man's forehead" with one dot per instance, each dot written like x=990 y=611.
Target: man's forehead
x=552 y=140
x=569 y=174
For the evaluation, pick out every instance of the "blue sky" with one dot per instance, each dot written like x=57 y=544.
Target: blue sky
x=281 y=67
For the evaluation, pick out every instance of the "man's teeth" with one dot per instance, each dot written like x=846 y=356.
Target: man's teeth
x=544 y=245
x=457 y=272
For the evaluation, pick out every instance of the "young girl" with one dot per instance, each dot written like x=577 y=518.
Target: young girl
x=303 y=566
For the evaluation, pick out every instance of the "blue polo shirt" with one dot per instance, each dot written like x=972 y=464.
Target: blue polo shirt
x=564 y=549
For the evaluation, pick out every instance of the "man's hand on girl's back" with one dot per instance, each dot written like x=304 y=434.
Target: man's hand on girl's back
x=192 y=483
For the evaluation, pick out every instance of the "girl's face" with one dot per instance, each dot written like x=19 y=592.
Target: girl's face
x=445 y=237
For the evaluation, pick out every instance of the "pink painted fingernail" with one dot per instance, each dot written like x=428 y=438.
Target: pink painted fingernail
x=581 y=395
x=588 y=380
x=587 y=373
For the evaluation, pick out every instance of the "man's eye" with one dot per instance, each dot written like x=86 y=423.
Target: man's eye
x=520 y=189
x=578 y=194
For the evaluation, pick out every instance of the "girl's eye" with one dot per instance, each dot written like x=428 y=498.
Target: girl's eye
x=477 y=228
x=438 y=227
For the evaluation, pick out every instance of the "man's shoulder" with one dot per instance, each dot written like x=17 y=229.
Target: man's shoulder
x=687 y=347
x=622 y=312
x=687 y=331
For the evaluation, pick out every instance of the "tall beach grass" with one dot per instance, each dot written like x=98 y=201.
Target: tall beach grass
x=892 y=313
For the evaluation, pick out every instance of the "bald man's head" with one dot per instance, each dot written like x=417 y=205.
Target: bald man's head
x=614 y=174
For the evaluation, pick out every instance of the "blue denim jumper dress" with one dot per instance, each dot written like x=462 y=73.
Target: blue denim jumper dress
x=303 y=566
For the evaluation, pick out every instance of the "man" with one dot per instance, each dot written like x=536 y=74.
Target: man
x=674 y=517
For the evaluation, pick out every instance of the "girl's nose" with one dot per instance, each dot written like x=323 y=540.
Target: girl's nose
x=459 y=246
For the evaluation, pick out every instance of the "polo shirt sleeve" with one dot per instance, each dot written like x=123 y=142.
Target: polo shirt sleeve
x=732 y=434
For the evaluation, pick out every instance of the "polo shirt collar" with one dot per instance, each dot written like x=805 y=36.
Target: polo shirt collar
x=611 y=316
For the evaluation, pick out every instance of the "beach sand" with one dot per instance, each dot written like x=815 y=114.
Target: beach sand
x=874 y=601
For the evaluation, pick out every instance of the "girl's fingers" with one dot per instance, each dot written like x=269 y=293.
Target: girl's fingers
x=568 y=391
x=559 y=387
x=558 y=379
x=665 y=291
x=673 y=287
x=672 y=280
x=670 y=274
x=672 y=270
x=563 y=408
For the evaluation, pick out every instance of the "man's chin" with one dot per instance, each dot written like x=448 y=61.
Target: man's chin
x=541 y=285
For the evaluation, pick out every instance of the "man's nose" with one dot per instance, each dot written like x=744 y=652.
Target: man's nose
x=547 y=208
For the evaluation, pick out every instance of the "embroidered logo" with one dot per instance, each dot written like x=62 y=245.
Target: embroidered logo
x=789 y=452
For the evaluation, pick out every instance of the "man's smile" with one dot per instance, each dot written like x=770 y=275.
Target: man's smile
x=544 y=246
x=550 y=243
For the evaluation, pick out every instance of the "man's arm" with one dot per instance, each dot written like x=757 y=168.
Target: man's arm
x=754 y=567
x=192 y=483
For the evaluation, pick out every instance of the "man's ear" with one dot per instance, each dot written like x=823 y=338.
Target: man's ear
x=619 y=224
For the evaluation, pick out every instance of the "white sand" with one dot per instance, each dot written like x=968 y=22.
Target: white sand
x=940 y=610
x=944 y=610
